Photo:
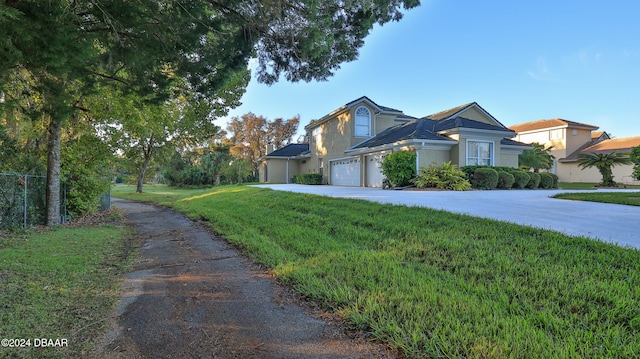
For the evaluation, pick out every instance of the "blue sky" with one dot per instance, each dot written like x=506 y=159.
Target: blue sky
x=520 y=60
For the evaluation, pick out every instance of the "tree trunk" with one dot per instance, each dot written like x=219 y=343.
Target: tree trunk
x=147 y=152
x=53 y=174
x=141 y=174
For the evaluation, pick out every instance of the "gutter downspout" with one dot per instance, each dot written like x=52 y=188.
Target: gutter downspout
x=287 y=172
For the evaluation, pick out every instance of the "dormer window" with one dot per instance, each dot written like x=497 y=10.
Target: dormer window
x=363 y=122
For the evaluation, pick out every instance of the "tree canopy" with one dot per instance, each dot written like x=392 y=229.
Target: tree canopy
x=536 y=158
x=156 y=49
x=603 y=162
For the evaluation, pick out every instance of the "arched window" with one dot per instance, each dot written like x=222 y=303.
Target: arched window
x=363 y=122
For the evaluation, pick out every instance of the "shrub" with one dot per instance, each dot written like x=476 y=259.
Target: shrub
x=400 y=168
x=534 y=181
x=485 y=178
x=444 y=176
x=308 y=178
x=505 y=180
x=521 y=178
x=469 y=170
x=546 y=180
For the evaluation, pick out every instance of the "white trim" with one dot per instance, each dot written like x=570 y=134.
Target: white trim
x=427 y=144
x=492 y=157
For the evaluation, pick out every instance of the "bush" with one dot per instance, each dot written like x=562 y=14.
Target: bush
x=400 y=168
x=444 y=176
x=485 y=178
x=505 y=180
x=308 y=178
x=522 y=178
x=534 y=181
x=546 y=180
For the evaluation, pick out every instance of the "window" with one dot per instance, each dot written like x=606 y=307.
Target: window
x=363 y=122
x=555 y=134
x=479 y=153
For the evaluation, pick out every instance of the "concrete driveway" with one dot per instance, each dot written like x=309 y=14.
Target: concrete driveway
x=608 y=222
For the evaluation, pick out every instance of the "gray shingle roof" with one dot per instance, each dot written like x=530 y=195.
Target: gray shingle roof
x=419 y=129
x=510 y=142
x=466 y=123
x=291 y=150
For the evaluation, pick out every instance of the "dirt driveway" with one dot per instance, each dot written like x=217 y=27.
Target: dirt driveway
x=192 y=295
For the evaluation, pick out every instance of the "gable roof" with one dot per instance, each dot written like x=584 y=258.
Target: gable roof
x=450 y=112
x=621 y=145
x=378 y=107
x=431 y=128
x=544 y=124
x=457 y=122
x=290 y=150
x=349 y=105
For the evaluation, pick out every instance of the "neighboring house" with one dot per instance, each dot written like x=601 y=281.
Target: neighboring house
x=348 y=145
x=569 y=139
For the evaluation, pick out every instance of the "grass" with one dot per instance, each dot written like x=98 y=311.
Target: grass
x=59 y=284
x=431 y=283
x=585 y=186
x=628 y=198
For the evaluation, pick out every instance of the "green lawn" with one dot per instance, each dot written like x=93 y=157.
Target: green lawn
x=431 y=283
x=59 y=284
x=580 y=186
x=628 y=198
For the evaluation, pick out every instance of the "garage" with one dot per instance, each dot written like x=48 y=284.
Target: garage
x=345 y=172
x=374 y=169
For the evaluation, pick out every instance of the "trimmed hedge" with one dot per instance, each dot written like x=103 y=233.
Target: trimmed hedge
x=308 y=178
x=505 y=180
x=534 y=181
x=546 y=180
x=521 y=179
x=485 y=178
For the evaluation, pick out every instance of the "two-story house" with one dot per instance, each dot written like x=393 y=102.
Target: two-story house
x=569 y=139
x=347 y=145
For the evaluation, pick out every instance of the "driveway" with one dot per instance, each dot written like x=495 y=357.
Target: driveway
x=608 y=222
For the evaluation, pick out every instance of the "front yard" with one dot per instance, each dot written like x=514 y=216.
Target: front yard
x=432 y=283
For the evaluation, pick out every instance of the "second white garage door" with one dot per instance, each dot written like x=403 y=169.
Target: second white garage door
x=345 y=172
x=374 y=170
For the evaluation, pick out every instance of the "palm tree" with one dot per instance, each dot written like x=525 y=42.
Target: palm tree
x=537 y=158
x=603 y=162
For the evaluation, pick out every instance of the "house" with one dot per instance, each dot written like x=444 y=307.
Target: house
x=347 y=145
x=569 y=139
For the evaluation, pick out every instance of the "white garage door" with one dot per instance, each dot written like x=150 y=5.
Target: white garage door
x=345 y=172
x=374 y=170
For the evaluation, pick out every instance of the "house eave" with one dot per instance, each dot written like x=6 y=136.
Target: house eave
x=417 y=143
x=463 y=130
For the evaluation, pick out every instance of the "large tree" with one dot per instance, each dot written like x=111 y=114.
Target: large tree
x=149 y=46
x=250 y=135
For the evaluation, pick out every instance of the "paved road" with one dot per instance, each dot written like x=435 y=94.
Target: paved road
x=608 y=222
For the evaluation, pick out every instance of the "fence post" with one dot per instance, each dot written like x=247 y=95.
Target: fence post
x=24 y=209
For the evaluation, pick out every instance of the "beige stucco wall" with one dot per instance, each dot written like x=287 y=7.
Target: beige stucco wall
x=476 y=115
x=509 y=158
x=426 y=156
x=574 y=142
x=276 y=170
x=571 y=172
x=559 y=149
